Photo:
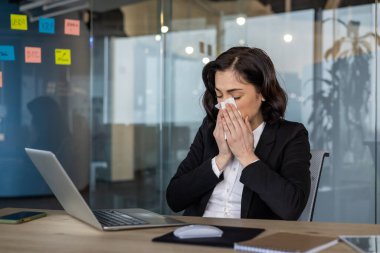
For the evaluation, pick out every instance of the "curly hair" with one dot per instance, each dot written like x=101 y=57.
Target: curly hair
x=255 y=67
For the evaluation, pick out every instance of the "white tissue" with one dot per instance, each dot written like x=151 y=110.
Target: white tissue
x=222 y=105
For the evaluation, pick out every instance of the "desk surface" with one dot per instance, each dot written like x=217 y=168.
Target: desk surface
x=59 y=232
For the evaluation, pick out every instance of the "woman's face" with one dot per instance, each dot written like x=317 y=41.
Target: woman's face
x=248 y=100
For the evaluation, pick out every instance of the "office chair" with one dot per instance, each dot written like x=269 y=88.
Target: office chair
x=316 y=164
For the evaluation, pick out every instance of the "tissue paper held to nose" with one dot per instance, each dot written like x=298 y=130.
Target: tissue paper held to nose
x=222 y=104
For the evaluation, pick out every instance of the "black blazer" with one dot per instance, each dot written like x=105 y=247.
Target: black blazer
x=275 y=187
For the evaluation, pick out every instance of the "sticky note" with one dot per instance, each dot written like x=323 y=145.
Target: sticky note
x=7 y=53
x=19 y=22
x=46 y=25
x=72 y=27
x=63 y=56
x=1 y=79
x=32 y=54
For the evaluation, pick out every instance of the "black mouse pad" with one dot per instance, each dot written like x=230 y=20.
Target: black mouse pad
x=229 y=237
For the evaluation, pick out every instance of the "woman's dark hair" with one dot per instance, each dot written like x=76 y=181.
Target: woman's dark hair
x=254 y=66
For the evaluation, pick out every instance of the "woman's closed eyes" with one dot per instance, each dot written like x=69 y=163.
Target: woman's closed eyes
x=235 y=97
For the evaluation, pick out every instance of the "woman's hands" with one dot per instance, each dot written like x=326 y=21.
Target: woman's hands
x=225 y=154
x=239 y=135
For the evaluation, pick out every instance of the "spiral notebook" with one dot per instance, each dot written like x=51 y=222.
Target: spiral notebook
x=283 y=242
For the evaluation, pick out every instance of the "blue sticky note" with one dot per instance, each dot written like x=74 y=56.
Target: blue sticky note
x=7 y=53
x=46 y=25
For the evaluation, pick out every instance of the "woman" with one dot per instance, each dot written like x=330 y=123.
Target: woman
x=245 y=161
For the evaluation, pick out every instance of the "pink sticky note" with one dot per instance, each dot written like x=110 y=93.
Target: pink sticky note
x=1 y=79
x=72 y=27
x=32 y=54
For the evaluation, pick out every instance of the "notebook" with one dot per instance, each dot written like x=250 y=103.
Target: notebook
x=362 y=243
x=73 y=203
x=284 y=242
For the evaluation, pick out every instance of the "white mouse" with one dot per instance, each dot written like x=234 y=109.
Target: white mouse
x=197 y=231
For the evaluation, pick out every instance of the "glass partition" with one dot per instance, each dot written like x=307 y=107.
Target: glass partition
x=325 y=57
x=346 y=100
x=122 y=111
x=127 y=95
x=44 y=95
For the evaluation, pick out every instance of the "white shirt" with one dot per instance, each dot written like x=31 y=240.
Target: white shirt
x=225 y=201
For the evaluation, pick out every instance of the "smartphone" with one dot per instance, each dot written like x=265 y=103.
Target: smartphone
x=21 y=217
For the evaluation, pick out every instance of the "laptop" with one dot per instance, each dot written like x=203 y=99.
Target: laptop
x=73 y=203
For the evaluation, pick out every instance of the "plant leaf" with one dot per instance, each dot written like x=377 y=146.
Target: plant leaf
x=366 y=45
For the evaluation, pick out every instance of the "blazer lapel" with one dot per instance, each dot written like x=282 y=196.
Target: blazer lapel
x=264 y=146
x=262 y=151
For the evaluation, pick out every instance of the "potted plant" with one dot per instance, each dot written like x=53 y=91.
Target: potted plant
x=341 y=103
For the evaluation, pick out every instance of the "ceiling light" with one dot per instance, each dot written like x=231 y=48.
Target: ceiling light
x=58 y=4
x=189 y=50
x=240 y=20
x=32 y=5
x=205 y=60
x=164 y=29
x=288 y=38
x=61 y=12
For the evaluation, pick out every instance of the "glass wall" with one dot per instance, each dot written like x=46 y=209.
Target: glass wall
x=123 y=114
x=346 y=97
x=127 y=99
x=325 y=57
x=44 y=95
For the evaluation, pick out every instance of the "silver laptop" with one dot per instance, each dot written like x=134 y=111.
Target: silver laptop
x=73 y=203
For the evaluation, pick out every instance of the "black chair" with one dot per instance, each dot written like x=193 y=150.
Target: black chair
x=316 y=164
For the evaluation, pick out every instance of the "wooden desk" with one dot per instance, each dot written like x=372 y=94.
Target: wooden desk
x=59 y=232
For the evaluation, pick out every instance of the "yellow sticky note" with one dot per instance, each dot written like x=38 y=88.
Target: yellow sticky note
x=19 y=22
x=62 y=56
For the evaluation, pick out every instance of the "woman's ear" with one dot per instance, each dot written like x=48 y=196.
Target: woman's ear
x=260 y=96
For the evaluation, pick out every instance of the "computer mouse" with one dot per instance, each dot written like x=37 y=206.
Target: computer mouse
x=197 y=231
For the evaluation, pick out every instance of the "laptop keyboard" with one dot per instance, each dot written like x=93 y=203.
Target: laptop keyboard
x=112 y=218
